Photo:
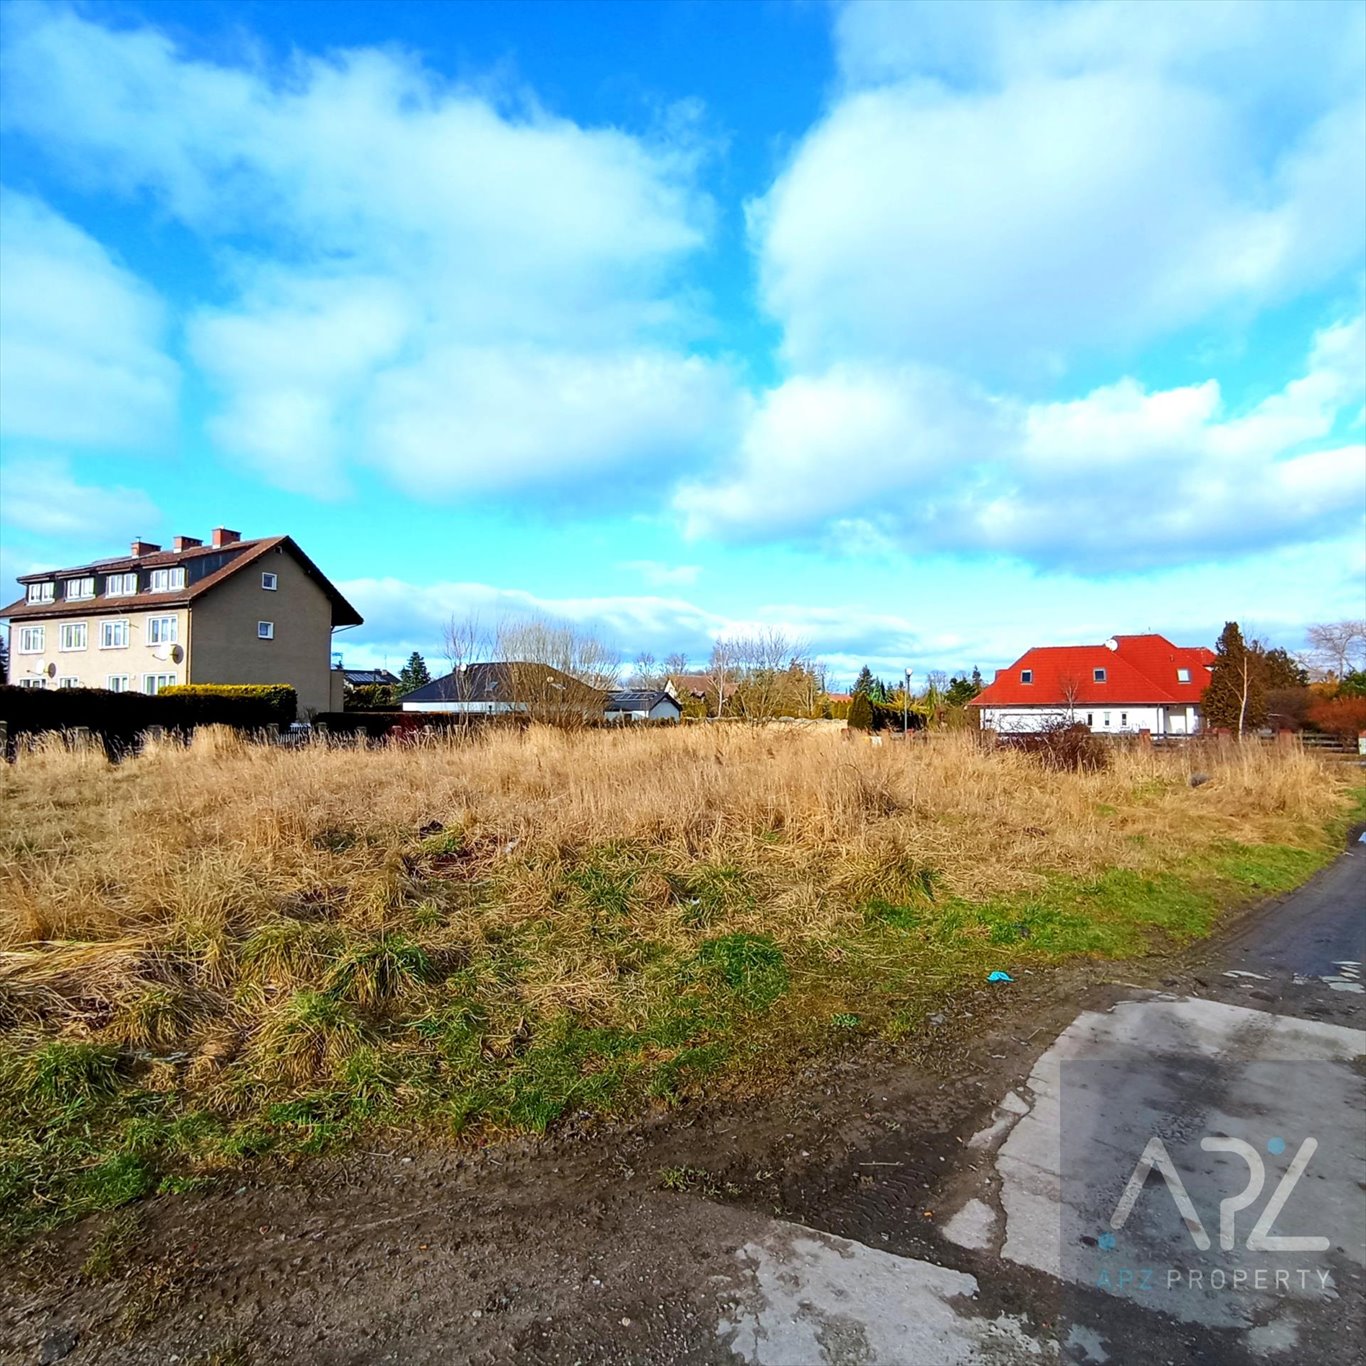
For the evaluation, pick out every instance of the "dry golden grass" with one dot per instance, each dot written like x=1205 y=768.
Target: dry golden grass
x=510 y=925
x=188 y=844
x=190 y=849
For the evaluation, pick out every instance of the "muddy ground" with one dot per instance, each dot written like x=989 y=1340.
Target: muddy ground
x=555 y=1250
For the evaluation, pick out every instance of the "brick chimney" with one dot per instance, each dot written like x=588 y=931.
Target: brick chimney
x=222 y=536
x=186 y=542
x=141 y=548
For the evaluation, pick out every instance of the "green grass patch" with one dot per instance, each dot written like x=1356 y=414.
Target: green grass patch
x=750 y=965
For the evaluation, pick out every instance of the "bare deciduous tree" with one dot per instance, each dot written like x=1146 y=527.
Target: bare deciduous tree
x=465 y=642
x=646 y=671
x=720 y=673
x=1069 y=684
x=558 y=671
x=771 y=675
x=1337 y=647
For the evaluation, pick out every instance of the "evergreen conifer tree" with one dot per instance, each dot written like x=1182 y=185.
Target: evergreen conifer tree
x=1236 y=696
x=860 y=712
x=414 y=674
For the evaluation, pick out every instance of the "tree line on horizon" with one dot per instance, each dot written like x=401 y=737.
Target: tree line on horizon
x=768 y=674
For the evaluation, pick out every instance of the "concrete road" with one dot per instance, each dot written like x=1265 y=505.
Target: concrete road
x=1178 y=1179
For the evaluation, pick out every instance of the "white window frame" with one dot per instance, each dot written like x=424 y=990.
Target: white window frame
x=107 y=629
x=1026 y=675
x=79 y=590
x=31 y=640
x=270 y=582
x=42 y=592
x=77 y=632
x=167 y=580
x=1124 y=720
x=121 y=585
x=33 y=682
x=118 y=683
x=1098 y=675
x=154 y=630
x=68 y=682
x=1183 y=675
x=265 y=630
x=153 y=683
x=1106 y=720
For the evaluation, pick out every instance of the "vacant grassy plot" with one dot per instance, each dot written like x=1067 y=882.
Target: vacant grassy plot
x=215 y=952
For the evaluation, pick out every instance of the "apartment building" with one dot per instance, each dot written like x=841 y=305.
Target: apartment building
x=231 y=611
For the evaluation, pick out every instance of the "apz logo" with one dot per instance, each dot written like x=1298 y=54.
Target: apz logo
x=1261 y=1239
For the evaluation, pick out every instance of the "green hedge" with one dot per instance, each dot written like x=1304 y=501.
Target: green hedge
x=118 y=718
x=279 y=698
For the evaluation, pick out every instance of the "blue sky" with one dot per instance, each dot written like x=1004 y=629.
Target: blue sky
x=925 y=333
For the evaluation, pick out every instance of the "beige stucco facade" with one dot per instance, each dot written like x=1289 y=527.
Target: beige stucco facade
x=139 y=652
x=218 y=638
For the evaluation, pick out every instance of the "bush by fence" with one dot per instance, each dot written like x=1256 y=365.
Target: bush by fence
x=118 y=718
x=1064 y=748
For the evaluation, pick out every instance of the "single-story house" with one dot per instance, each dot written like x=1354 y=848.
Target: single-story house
x=1127 y=684
x=504 y=687
x=643 y=704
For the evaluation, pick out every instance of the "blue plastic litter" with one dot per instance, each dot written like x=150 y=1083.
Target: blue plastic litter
x=999 y=977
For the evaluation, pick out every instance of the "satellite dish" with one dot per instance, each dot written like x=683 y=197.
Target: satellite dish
x=167 y=651
x=45 y=670
x=177 y=654
x=1112 y=644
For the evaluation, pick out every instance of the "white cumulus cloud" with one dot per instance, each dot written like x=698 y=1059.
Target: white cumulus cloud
x=81 y=338
x=458 y=287
x=1120 y=478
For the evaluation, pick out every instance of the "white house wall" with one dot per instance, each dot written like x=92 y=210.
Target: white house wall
x=1116 y=719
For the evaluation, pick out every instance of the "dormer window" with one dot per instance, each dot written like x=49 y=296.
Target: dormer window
x=76 y=590
x=42 y=592
x=1026 y=675
x=1183 y=675
x=167 y=580
x=121 y=585
x=1098 y=675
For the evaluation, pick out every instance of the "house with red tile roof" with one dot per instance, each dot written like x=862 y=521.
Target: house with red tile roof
x=1127 y=684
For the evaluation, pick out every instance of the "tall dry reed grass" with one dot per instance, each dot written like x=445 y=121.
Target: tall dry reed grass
x=221 y=949
x=220 y=835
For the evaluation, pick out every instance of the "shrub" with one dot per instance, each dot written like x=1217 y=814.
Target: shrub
x=279 y=702
x=860 y=712
x=118 y=718
x=371 y=697
x=1341 y=716
x=1067 y=747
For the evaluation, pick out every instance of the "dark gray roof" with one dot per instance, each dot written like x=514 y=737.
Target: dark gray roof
x=360 y=677
x=489 y=683
x=639 y=699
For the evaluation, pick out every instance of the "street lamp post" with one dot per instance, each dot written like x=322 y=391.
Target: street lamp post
x=906 y=709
